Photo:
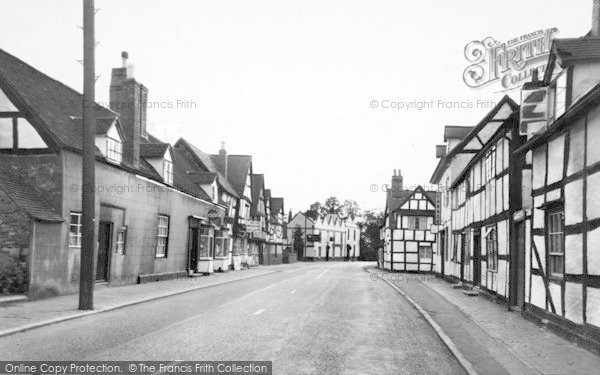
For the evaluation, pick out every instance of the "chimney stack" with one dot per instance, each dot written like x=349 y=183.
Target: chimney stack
x=128 y=98
x=596 y=19
x=397 y=182
x=222 y=160
x=440 y=151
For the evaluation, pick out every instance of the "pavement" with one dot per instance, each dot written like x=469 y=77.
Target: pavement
x=321 y=318
x=491 y=338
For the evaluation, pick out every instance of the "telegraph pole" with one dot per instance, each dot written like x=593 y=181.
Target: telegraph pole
x=87 y=273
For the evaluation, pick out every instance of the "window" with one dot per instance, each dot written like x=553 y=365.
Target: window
x=466 y=247
x=492 y=249
x=455 y=247
x=205 y=248
x=163 y=236
x=121 y=238
x=114 y=150
x=220 y=242
x=168 y=172
x=75 y=230
x=416 y=222
x=425 y=252
x=490 y=163
x=555 y=242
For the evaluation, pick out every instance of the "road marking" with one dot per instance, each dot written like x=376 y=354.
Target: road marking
x=322 y=273
x=259 y=312
x=293 y=291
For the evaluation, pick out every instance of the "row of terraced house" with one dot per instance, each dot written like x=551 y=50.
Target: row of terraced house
x=516 y=216
x=162 y=210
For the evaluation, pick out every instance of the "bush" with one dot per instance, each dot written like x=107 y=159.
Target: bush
x=13 y=276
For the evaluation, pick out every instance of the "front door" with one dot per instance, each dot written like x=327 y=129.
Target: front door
x=194 y=233
x=519 y=285
x=104 y=250
x=477 y=256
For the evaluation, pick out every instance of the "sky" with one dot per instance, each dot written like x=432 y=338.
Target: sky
x=305 y=87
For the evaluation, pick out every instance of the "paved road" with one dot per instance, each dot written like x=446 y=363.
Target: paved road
x=325 y=318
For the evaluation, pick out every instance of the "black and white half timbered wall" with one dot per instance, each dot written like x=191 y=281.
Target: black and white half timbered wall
x=409 y=243
x=484 y=195
x=561 y=238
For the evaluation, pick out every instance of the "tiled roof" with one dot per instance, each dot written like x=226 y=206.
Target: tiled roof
x=456 y=132
x=52 y=106
x=276 y=204
x=185 y=179
x=207 y=163
x=153 y=150
x=25 y=197
x=238 y=167
x=395 y=202
x=577 y=49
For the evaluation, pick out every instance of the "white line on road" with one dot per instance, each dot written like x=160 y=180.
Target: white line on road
x=322 y=273
x=259 y=312
x=293 y=291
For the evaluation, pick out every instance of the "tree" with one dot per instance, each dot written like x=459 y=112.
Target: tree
x=370 y=232
x=350 y=208
x=299 y=241
x=315 y=211
x=332 y=205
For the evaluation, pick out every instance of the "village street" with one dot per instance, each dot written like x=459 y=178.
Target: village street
x=321 y=318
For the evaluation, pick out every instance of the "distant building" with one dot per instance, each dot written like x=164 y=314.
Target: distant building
x=326 y=238
x=408 y=243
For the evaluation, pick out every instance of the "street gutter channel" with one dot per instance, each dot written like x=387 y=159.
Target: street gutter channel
x=464 y=362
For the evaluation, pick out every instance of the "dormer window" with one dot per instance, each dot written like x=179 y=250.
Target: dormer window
x=114 y=150
x=109 y=139
x=168 y=172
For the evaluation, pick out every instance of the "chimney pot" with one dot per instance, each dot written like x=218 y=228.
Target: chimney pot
x=124 y=57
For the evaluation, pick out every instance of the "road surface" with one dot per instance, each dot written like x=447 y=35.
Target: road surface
x=322 y=318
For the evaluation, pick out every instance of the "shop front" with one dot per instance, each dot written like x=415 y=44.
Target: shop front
x=208 y=246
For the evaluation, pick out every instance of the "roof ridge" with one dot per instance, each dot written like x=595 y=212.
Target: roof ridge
x=31 y=68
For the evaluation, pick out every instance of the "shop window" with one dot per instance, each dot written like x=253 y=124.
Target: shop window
x=205 y=248
x=555 y=241
x=162 y=237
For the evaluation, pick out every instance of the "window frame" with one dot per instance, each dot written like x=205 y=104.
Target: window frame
x=553 y=239
x=79 y=226
x=110 y=152
x=160 y=236
x=168 y=172
x=430 y=249
x=121 y=246
x=491 y=254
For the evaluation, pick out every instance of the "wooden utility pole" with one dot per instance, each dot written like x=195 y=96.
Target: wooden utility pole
x=87 y=273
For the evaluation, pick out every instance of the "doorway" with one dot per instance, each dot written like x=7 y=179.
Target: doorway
x=477 y=256
x=518 y=265
x=104 y=250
